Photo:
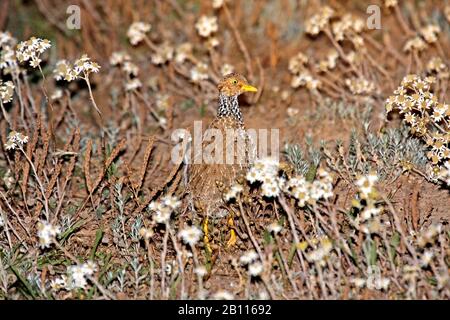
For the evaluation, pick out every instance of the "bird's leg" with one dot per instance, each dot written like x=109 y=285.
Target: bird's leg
x=232 y=241
x=205 y=229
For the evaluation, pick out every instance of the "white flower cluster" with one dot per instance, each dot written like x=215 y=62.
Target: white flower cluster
x=297 y=63
x=368 y=219
x=182 y=52
x=250 y=259
x=6 y=91
x=305 y=79
x=80 y=69
x=163 y=209
x=77 y=275
x=429 y=235
x=233 y=192
x=15 y=139
x=31 y=50
x=163 y=54
x=133 y=84
x=266 y=170
x=199 y=72
x=206 y=26
x=217 y=4
x=190 y=235
x=123 y=59
x=415 y=44
x=360 y=86
x=310 y=192
x=8 y=62
x=445 y=173
x=6 y=39
x=372 y=282
x=226 y=69
x=118 y=58
x=329 y=63
x=319 y=255
x=223 y=295
x=430 y=33
x=318 y=22
x=46 y=233
x=347 y=26
x=366 y=185
x=136 y=32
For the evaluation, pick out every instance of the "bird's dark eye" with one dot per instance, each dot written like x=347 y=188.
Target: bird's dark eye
x=234 y=81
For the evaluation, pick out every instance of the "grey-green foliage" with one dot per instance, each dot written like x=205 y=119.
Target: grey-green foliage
x=385 y=152
x=303 y=161
x=332 y=109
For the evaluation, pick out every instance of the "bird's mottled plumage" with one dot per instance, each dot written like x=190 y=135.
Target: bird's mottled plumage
x=205 y=179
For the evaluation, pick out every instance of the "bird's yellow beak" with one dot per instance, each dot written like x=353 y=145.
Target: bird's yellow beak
x=249 y=88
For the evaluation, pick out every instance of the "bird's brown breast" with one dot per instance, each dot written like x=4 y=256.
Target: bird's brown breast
x=206 y=178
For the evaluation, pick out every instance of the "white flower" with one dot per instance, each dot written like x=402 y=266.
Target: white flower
x=358 y=282
x=249 y=257
x=233 y=192
x=206 y=26
x=162 y=215
x=201 y=271
x=366 y=184
x=6 y=39
x=10 y=145
x=217 y=4
x=199 y=72
x=130 y=68
x=322 y=252
x=136 y=32
x=89 y=268
x=133 y=84
x=58 y=283
x=370 y=212
x=223 y=295
x=58 y=94
x=255 y=269
x=31 y=49
x=85 y=65
x=171 y=202
x=163 y=54
x=46 y=233
x=146 y=233
x=119 y=58
x=182 y=52
x=76 y=277
x=190 y=235
x=274 y=227
x=426 y=258
x=6 y=91
x=226 y=69
x=270 y=189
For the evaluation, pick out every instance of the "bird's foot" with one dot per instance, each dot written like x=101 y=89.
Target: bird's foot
x=233 y=239
x=206 y=236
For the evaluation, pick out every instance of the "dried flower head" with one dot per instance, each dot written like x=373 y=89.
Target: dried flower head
x=190 y=235
x=206 y=26
x=136 y=32
x=46 y=233
x=6 y=91
x=199 y=72
x=319 y=21
x=31 y=50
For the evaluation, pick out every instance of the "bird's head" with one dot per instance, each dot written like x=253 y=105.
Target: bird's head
x=234 y=84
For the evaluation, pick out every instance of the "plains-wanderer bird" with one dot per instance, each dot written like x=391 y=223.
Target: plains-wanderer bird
x=207 y=177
